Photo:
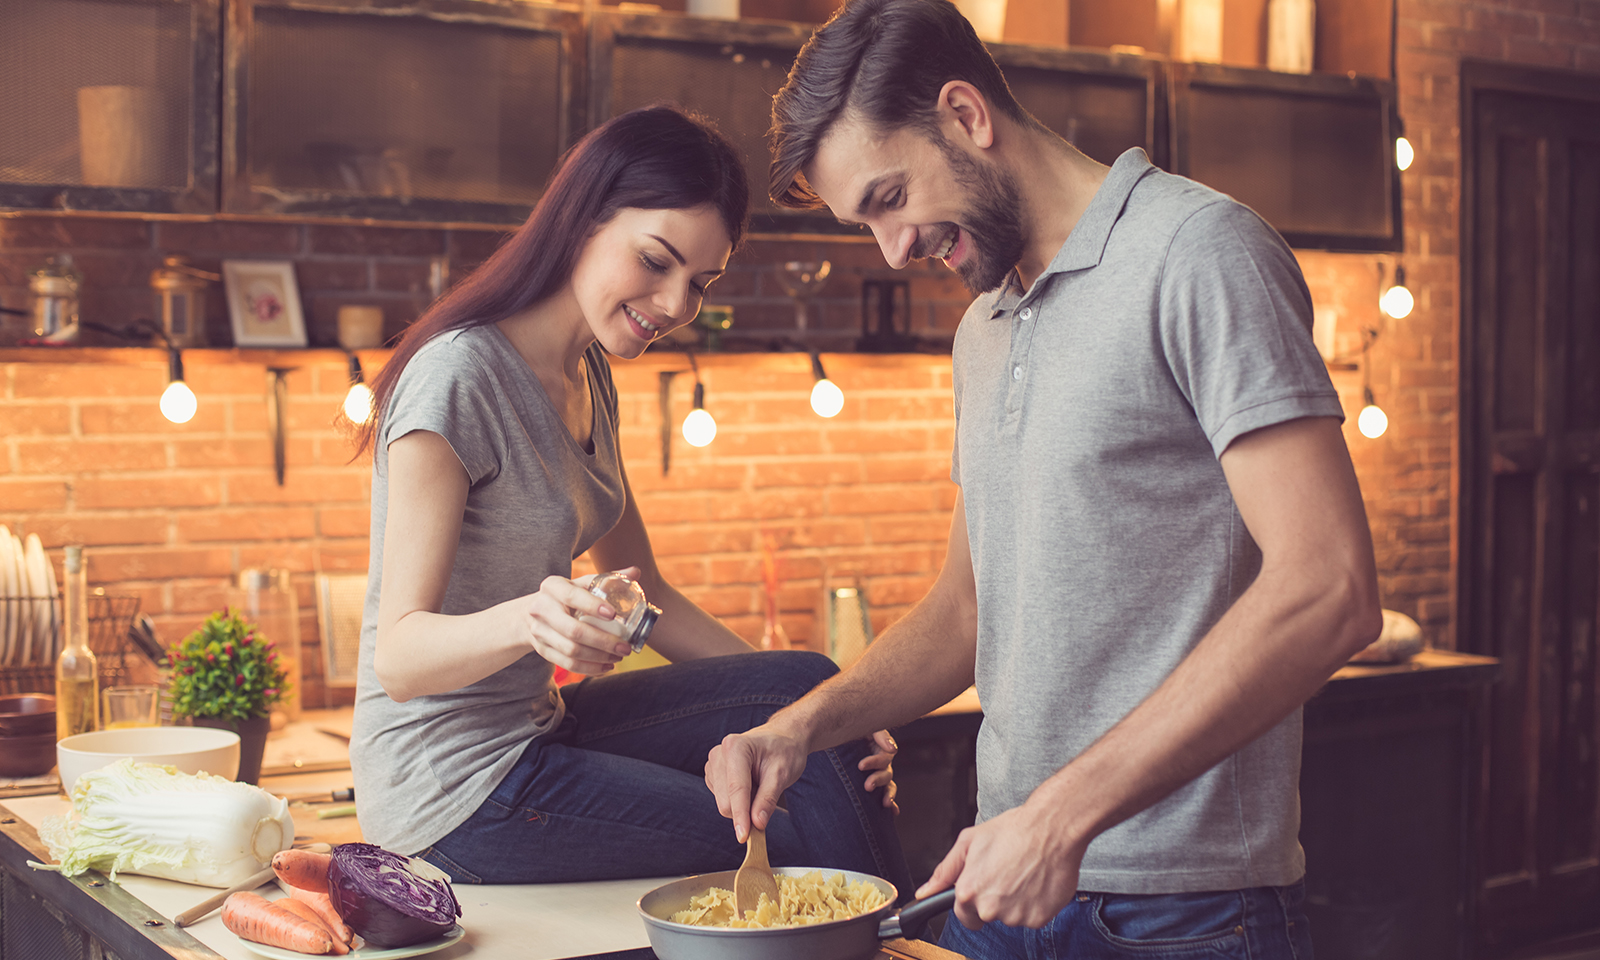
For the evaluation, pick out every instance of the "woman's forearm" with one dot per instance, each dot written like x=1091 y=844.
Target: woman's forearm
x=423 y=652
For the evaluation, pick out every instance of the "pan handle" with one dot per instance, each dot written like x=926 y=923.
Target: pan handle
x=911 y=920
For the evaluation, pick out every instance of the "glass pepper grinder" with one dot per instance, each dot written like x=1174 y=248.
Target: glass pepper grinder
x=636 y=616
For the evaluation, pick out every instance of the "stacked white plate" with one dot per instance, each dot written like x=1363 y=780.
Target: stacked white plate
x=30 y=632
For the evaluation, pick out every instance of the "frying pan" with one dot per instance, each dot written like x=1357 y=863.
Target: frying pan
x=854 y=939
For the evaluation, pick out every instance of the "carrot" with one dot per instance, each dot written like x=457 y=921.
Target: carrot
x=330 y=917
x=307 y=913
x=303 y=869
x=252 y=917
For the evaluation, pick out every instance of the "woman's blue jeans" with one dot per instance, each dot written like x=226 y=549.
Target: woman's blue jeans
x=1262 y=923
x=618 y=788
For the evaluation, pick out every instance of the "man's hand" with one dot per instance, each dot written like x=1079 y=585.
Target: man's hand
x=763 y=757
x=1016 y=868
x=881 y=763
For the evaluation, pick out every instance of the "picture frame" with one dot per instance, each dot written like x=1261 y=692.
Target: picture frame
x=264 y=303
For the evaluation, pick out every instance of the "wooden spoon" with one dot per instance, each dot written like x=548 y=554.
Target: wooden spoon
x=755 y=875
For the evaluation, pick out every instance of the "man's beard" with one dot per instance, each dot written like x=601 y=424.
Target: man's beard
x=992 y=221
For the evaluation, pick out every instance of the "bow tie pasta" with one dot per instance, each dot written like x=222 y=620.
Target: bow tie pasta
x=812 y=898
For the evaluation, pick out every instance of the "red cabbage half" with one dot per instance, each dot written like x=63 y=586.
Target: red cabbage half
x=389 y=899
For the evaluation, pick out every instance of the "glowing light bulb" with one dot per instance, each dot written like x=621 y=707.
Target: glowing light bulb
x=826 y=398
x=699 y=428
x=178 y=403
x=1403 y=154
x=1372 y=421
x=1397 y=302
x=358 y=403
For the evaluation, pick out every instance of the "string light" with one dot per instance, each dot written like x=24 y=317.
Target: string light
x=699 y=428
x=1371 y=421
x=1397 y=301
x=826 y=397
x=358 y=400
x=1403 y=154
x=178 y=402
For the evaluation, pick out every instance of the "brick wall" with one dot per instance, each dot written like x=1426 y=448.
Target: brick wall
x=170 y=513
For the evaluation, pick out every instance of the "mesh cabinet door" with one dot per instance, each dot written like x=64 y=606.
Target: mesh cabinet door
x=1100 y=103
x=1312 y=154
x=448 y=111
x=98 y=105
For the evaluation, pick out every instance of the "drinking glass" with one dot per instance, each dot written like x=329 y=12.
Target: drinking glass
x=801 y=279
x=131 y=706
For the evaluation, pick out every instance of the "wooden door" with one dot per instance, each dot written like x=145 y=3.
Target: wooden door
x=1530 y=490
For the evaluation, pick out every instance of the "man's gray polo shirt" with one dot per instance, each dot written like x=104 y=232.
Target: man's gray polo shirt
x=1091 y=412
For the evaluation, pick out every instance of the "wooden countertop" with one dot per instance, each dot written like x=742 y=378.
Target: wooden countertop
x=572 y=920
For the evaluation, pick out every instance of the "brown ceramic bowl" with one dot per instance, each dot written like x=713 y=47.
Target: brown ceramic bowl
x=25 y=714
x=31 y=755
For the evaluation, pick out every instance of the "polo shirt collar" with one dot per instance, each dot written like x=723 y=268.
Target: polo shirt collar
x=1086 y=244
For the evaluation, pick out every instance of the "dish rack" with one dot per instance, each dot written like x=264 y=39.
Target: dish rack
x=109 y=621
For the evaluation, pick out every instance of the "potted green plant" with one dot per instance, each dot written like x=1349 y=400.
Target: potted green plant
x=227 y=675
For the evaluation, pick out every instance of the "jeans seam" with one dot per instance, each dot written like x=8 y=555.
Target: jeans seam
x=1288 y=930
x=455 y=870
x=654 y=719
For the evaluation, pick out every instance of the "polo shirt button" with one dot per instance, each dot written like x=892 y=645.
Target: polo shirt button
x=1027 y=313
x=1016 y=372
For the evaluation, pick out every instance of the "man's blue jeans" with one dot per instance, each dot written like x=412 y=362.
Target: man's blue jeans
x=618 y=789
x=1262 y=923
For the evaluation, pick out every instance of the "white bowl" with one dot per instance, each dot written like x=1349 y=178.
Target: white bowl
x=190 y=749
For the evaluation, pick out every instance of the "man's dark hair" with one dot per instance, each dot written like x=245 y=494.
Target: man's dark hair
x=885 y=61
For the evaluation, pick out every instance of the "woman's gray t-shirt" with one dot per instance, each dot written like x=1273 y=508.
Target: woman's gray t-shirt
x=536 y=501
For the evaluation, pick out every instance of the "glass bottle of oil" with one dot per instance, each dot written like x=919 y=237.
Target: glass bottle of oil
x=77 y=674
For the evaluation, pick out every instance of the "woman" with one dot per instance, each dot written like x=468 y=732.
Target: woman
x=495 y=465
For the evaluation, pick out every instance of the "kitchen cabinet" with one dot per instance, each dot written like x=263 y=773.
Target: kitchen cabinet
x=431 y=110
x=1100 y=102
x=728 y=70
x=456 y=111
x=109 y=105
x=1313 y=154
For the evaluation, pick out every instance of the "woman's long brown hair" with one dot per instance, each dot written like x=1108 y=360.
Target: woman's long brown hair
x=654 y=158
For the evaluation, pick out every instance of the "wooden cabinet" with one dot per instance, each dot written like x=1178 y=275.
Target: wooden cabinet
x=456 y=111
x=727 y=70
x=439 y=110
x=109 y=105
x=1313 y=154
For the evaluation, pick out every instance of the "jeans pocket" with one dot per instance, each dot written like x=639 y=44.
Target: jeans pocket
x=1162 y=922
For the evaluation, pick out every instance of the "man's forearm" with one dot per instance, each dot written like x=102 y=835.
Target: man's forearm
x=920 y=663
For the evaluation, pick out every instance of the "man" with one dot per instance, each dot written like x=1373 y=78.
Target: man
x=1159 y=550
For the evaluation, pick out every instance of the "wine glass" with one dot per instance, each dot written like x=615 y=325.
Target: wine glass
x=800 y=279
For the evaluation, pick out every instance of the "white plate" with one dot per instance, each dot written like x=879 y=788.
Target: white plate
x=9 y=611
x=39 y=623
x=366 y=953
x=20 y=614
x=60 y=630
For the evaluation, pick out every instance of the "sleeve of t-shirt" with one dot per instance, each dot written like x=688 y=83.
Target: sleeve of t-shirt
x=1236 y=326
x=447 y=390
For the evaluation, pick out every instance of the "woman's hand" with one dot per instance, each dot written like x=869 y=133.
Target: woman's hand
x=881 y=763
x=556 y=633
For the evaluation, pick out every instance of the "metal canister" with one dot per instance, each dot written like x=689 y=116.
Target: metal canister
x=180 y=292
x=55 y=299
